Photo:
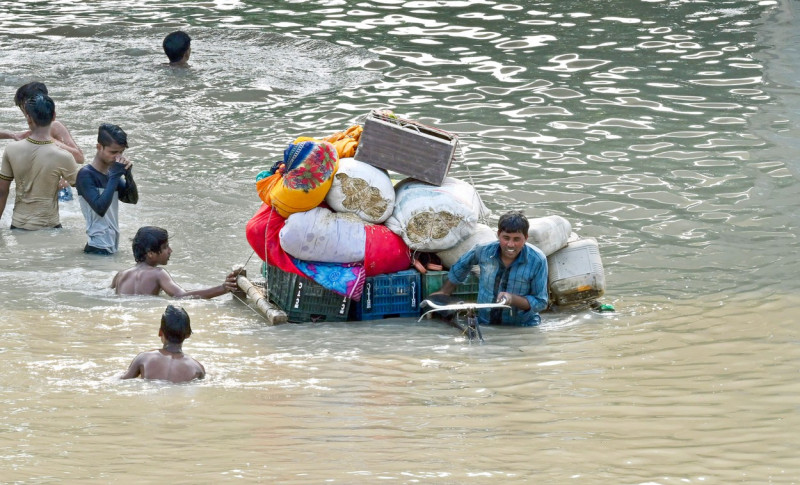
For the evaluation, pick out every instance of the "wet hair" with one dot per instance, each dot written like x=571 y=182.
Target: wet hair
x=176 y=44
x=148 y=238
x=175 y=324
x=513 y=221
x=27 y=91
x=41 y=109
x=108 y=134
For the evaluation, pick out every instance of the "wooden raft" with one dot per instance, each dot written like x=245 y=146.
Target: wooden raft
x=273 y=314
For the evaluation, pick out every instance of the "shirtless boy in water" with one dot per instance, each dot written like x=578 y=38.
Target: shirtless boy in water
x=151 y=249
x=168 y=363
x=60 y=134
x=178 y=47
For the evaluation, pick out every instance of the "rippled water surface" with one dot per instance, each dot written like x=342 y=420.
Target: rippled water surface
x=667 y=130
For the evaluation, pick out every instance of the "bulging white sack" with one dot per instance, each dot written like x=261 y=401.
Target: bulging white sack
x=325 y=236
x=431 y=218
x=361 y=189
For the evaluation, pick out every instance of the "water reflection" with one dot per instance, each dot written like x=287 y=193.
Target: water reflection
x=664 y=130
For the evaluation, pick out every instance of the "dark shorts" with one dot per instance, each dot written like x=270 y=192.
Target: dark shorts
x=23 y=229
x=93 y=250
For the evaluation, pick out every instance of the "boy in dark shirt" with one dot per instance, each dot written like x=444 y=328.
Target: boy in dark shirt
x=101 y=185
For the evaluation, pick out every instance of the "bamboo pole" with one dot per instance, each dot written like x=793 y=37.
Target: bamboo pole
x=274 y=314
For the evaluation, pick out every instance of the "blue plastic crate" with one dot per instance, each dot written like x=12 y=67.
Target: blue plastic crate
x=303 y=299
x=389 y=295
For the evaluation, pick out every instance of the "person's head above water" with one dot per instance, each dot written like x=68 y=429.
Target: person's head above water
x=40 y=109
x=148 y=239
x=108 y=134
x=512 y=222
x=175 y=324
x=177 y=46
x=27 y=91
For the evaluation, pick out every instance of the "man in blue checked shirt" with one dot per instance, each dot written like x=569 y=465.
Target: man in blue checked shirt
x=511 y=270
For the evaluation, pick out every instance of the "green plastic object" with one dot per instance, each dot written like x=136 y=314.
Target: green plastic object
x=603 y=307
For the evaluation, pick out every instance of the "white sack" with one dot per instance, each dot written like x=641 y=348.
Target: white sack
x=431 y=218
x=322 y=235
x=361 y=189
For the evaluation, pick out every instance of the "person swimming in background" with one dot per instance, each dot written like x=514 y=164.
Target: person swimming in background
x=178 y=47
x=168 y=363
x=151 y=249
x=60 y=134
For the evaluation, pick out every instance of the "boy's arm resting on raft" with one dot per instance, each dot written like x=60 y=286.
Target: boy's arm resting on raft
x=166 y=284
x=174 y=290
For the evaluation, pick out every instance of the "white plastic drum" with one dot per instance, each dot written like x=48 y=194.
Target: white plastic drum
x=575 y=273
x=549 y=234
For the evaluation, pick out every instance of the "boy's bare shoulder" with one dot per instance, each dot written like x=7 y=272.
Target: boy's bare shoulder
x=144 y=270
x=139 y=280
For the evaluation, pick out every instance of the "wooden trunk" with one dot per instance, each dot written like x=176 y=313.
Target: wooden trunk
x=407 y=147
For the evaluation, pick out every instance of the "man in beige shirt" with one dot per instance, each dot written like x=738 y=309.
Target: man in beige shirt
x=36 y=165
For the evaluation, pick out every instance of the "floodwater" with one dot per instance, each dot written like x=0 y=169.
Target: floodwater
x=666 y=129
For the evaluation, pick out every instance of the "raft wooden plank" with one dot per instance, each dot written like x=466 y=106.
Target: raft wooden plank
x=274 y=315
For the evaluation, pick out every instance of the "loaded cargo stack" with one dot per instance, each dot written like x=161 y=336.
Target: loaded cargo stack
x=342 y=239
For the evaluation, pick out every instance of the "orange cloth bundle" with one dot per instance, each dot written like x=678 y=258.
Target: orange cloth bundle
x=302 y=180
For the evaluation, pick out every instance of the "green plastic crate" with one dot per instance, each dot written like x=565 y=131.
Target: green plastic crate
x=433 y=280
x=303 y=299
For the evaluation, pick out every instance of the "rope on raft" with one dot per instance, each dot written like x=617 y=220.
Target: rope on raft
x=259 y=293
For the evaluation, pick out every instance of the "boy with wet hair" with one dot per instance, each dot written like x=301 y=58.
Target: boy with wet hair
x=510 y=271
x=177 y=47
x=151 y=249
x=61 y=135
x=59 y=132
x=36 y=165
x=168 y=363
x=101 y=185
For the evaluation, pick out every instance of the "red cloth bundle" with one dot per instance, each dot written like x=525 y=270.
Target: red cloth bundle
x=262 y=234
x=385 y=251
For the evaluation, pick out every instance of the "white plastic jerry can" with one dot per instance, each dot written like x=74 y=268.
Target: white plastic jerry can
x=549 y=234
x=575 y=273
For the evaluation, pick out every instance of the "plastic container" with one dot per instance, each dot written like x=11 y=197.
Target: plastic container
x=549 y=234
x=575 y=273
x=303 y=299
x=432 y=281
x=389 y=295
